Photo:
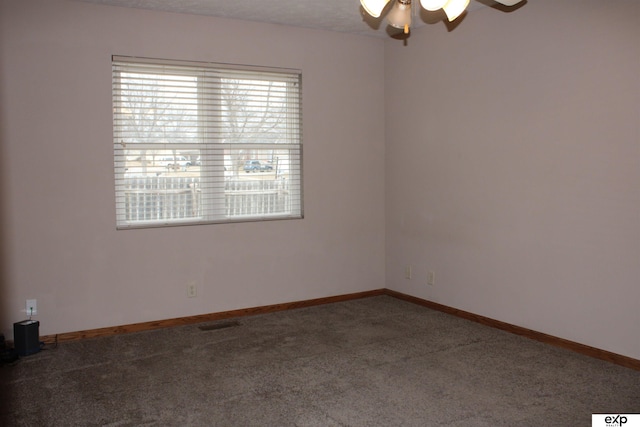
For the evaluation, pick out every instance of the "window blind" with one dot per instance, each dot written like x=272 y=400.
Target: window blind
x=199 y=143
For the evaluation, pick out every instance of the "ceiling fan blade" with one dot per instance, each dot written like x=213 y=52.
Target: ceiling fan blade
x=508 y=2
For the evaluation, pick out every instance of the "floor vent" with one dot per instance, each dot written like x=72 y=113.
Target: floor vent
x=221 y=325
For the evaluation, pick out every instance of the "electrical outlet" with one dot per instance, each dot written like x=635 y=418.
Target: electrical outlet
x=407 y=272
x=192 y=290
x=31 y=307
x=431 y=278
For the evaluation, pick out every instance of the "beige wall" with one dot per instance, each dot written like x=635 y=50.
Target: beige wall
x=513 y=167
x=59 y=240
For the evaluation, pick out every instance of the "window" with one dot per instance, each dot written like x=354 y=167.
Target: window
x=199 y=143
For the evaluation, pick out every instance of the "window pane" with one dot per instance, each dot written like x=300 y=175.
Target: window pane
x=255 y=111
x=161 y=185
x=263 y=182
x=153 y=108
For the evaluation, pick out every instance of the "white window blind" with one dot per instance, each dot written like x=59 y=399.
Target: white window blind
x=202 y=143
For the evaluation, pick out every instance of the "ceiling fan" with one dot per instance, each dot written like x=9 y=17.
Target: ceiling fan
x=399 y=16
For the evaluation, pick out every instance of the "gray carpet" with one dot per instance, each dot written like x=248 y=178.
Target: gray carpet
x=376 y=361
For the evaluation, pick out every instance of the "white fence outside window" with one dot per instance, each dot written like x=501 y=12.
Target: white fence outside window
x=163 y=198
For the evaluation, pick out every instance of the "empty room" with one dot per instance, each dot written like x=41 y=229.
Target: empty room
x=274 y=213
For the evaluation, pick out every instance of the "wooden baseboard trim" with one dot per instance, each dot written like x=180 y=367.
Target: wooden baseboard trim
x=597 y=353
x=586 y=350
x=189 y=320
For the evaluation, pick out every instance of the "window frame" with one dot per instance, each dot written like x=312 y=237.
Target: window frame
x=213 y=152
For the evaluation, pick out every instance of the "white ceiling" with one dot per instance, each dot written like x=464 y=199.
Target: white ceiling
x=334 y=15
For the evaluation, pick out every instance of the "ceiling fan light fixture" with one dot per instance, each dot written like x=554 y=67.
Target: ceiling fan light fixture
x=454 y=8
x=400 y=15
x=433 y=4
x=374 y=7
